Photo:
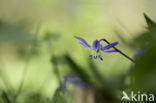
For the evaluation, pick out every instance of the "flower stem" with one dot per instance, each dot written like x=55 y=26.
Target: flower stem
x=118 y=50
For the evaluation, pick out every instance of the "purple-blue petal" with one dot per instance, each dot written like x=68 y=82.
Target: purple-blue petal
x=85 y=45
x=109 y=46
x=71 y=77
x=80 y=84
x=110 y=51
x=96 y=44
x=99 y=46
x=83 y=41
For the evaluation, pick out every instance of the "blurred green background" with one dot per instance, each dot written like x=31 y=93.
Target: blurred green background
x=37 y=48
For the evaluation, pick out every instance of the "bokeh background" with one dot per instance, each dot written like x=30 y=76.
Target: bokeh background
x=38 y=48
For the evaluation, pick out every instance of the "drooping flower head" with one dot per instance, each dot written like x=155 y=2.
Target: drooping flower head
x=97 y=47
x=74 y=79
x=71 y=79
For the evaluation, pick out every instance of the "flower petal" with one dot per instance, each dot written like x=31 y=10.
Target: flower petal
x=68 y=77
x=83 y=42
x=99 y=46
x=110 y=51
x=109 y=46
x=96 y=44
x=80 y=84
x=85 y=45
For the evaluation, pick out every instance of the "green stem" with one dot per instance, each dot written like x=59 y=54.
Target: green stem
x=118 y=50
x=33 y=44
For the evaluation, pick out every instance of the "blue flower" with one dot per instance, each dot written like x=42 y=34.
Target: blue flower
x=97 y=47
x=72 y=79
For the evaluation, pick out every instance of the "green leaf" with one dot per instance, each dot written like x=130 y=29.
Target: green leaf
x=151 y=24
